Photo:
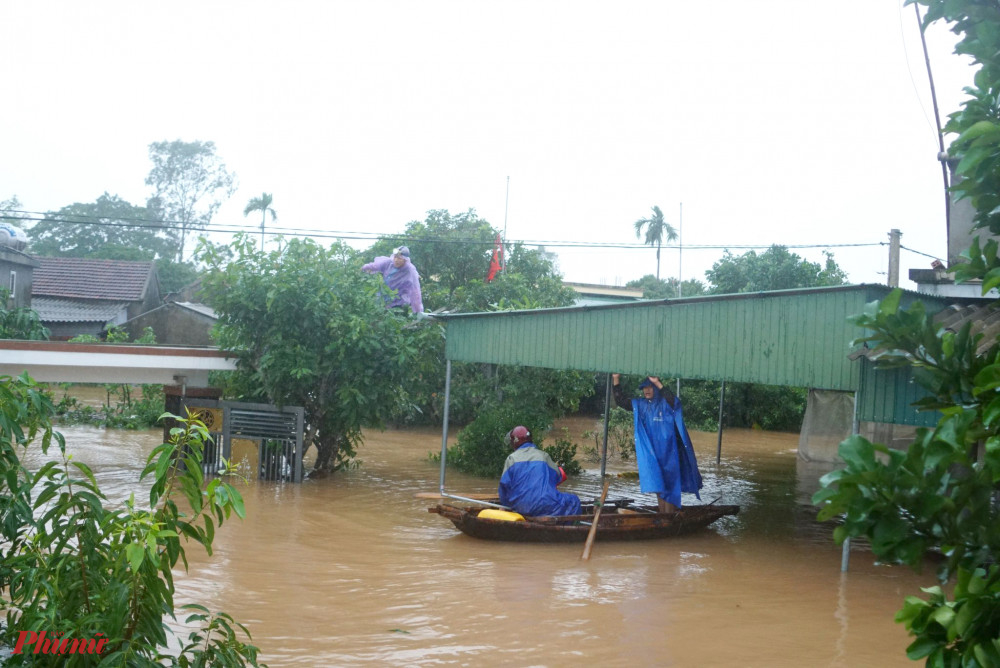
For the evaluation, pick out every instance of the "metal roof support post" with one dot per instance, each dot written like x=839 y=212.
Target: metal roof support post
x=299 y=424
x=444 y=429
x=444 y=443
x=845 y=555
x=607 y=418
x=722 y=403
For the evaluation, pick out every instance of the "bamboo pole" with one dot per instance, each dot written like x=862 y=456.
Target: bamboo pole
x=597 y=516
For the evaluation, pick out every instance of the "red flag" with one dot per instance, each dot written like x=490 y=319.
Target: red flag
x=497 y=260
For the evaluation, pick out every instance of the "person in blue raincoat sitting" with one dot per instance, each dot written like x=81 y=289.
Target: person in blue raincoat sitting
x=663 y=450
x=529 y=480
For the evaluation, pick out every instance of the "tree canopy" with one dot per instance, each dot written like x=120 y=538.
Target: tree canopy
x=311 y=332
x=452 y=252
x=190 y=182
x=10 y=212
x=657 y=230
x=449 y=250
x=109 y=228
x=658 y=288
x=262 y=204
x=775 y=269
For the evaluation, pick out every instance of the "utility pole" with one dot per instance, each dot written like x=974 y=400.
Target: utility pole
x=894 y=235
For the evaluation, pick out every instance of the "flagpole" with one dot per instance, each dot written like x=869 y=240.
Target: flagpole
x=680 y=249
x=680 y=275
x=506 y=201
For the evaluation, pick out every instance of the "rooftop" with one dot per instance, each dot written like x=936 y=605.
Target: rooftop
x=80 y=278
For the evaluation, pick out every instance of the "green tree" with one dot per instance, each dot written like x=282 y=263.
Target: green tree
x=190 y=182
x=655 y=228
x=262 y=204
x=174 y=276
x=939 y=496
x=775 y=269
x=658 y=288
x=109 y=228
x=452 y=252
x=310 y=331
x=11 y=212
x=78 y=569
x=449 y=250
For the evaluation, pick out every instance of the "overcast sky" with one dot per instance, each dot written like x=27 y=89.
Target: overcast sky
x=781 y=121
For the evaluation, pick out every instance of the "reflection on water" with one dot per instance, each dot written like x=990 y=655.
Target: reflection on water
x=353 y=570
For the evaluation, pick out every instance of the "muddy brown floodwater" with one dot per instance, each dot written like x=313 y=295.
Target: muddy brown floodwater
x=354 y=571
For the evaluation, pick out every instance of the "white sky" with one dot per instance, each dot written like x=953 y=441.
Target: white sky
x=781 y=121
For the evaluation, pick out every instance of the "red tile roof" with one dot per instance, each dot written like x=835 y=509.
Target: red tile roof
x=90 y=279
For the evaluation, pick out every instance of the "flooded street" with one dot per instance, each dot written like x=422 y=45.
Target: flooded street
x=353 y=570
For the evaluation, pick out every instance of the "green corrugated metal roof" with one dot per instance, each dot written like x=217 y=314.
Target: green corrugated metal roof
x=788 y=337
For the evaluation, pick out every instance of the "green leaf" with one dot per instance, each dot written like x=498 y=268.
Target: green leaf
x=921 y=647
x=944 y=616
x=890 y=304
x=135 y=554
x=979 y=130
x=237 y=501
x=966 y=616
x=972 y=158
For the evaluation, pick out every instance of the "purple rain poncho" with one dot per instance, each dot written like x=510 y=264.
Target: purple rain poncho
x=404 y=280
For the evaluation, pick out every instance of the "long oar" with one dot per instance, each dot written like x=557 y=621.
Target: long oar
x=597 y=516
x=469 y=495
x=481 y=499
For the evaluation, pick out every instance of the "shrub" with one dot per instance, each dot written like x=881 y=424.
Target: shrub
x=76 y=568
x=563 y=453
x=481 y=449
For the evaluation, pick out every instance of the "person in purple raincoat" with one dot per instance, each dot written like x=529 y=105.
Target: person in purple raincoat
x=663 y=450
x=400 y=276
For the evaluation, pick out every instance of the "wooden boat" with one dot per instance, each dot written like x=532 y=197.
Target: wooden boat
x=618 y=521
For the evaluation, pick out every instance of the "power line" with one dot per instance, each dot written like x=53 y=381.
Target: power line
x=933 y=257
x=159 y=224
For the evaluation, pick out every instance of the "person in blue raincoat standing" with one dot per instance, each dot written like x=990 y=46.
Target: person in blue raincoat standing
x=530 y=477
x=663 y=449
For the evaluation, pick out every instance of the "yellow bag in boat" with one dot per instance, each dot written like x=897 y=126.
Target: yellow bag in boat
x=497 y=514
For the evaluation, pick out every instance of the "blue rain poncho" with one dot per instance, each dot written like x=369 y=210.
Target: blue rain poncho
x=528 y=484
x=667 y=464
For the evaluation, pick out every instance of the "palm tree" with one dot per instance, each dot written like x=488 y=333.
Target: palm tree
x=656 y=228
x=262 y=204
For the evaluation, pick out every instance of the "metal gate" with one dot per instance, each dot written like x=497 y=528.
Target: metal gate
x=273 y=435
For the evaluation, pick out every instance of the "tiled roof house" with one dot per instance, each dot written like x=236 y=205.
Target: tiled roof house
x=76 y=296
